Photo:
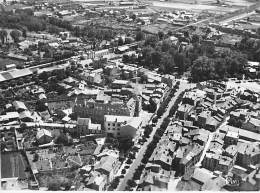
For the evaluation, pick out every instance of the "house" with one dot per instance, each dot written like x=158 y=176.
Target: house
x=243 y=134
x=92 y=78
x=108 y=164
x=201 y=175
x=201 y=136
x=85 y=127
x=174 y=40
x=118 y=84
x=183 y=111
x=155 y=179
x=163 y=154
x=122 y=49
x=203 y=117
x=112 y=72
x=248 y=154
x=121 y=126
x=26 y=116
x=97 y=110
x=192 y=97
x=9 y=116
x=225 y=164
x=231 y=151
x=43 y=136
x=211 y=124
x=70 y=81
x=15 y=74
x=211 y=161
x=186 y=157
x=10 y=66
x=97 y=181
x=252 y=125
x=231 y=138
x=19 y=106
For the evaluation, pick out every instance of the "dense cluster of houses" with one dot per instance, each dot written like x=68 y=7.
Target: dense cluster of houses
x=203 y=145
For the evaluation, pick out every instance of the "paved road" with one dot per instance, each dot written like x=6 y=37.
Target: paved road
x=130 y=172
x=237 y=17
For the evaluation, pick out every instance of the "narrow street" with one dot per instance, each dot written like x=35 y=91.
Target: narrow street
x=130 y=172
x=198 y=164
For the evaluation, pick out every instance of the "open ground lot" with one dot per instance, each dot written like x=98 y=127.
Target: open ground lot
x=211 y=2
x=12 y=165
x=195 y=7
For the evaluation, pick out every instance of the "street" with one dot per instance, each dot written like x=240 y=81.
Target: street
x=130 y=172
x=198 y=164
x=237 y=17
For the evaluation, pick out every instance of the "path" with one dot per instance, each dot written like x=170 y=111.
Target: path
x=130 y=172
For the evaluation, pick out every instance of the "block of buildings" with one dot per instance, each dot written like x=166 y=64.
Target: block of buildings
x=121 y=126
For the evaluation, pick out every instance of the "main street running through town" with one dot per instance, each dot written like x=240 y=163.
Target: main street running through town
x=130 y=172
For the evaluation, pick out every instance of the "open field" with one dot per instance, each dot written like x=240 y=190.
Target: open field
x=211 y=2
x=195 y=7
x=241 y=22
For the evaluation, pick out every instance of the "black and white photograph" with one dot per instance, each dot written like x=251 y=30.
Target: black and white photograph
x=130 y=95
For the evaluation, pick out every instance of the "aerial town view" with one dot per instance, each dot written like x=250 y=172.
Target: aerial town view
x=130 y=95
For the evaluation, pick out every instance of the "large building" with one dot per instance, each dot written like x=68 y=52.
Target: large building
x=85 y=127
x=97 y=110
x=122 y=126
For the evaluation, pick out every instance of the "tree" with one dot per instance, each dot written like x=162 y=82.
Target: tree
x=120 y=41
x=129 y=161
x=160 y=35
x=27 y=51
x=169 y=33
x=258 y=31
x=166 y=45
x=44 y=76
x=156 y=58
x=133 y=17
x=63 y=139
x=195 y=38
x=3 y=36
x=4 y=86
x=15 y=34
x=151 y=40
x=35 y=157
x=125 y=58
x=139 y=36
x=147 y=131
x=114 y=183
x=155 y=119
x=131 y=183
x=123 y=171
x=167 y=64
x=179 y=61
x=54 y=184
x=24 y=33
x=202 y=69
